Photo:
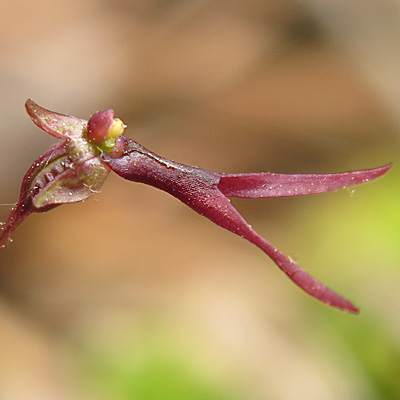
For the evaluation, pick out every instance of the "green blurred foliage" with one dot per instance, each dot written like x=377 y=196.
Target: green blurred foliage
x=363 y=225
x=149 y=365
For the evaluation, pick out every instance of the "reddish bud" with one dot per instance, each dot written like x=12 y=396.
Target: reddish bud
x=103 y=129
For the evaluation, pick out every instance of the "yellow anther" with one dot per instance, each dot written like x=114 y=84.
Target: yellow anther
x=116 y=129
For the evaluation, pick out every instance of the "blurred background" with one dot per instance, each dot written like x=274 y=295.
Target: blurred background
x=132 y=295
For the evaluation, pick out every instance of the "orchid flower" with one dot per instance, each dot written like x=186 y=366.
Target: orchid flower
x=76 y=168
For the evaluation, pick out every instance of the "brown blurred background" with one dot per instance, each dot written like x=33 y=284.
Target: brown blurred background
x=131 y=295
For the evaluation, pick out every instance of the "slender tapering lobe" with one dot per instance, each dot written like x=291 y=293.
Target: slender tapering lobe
x=207 y=192
x=76 y=168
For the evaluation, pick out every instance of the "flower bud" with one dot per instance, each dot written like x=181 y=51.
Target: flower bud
x=104 y=129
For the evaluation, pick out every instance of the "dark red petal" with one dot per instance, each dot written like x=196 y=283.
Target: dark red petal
x=199 y=189
x=263 y=185
x=58 y=125
x=216 y=207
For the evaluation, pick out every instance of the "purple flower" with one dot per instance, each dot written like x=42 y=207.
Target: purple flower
x=75 y=169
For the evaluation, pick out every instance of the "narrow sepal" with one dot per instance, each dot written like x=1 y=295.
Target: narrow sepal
x=216 y=207
x=264 y=185
x=60 y=126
